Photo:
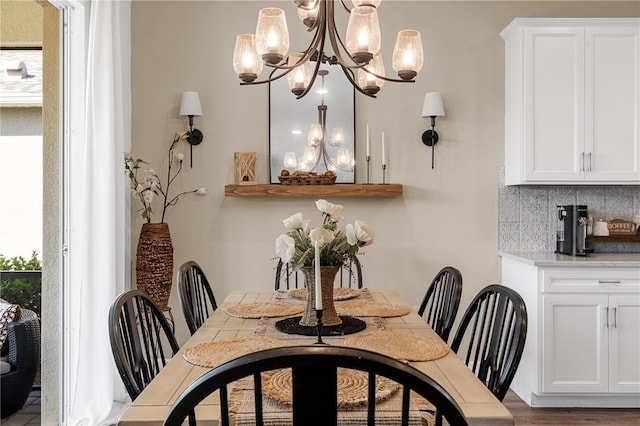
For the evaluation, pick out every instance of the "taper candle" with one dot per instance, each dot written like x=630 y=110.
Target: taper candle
x=384 y=157
x=317 y=274
x=368 y=148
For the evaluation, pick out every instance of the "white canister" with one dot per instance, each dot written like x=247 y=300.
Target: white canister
x=601 y=228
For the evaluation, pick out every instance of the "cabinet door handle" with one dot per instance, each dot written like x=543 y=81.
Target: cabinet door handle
x=582 y=161
x=589 y=155
x=608 y=281
x=615 y=317
x=606 y=317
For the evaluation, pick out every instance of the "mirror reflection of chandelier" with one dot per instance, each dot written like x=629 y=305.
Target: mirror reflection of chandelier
x=316 y=151
x=358 y=56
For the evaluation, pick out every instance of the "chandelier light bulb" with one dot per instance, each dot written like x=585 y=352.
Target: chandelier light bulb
x=337 y=136
x=290 y=160
x=246 y=62
x=309 y=14
x=363 y=34
x=367 y=80
x=299 y=78
x=315 y=135
x=408 y=56
x=344 y=158
x=272 y=35
x=309 y=154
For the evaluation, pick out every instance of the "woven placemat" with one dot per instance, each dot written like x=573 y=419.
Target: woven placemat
x=407 y=346
x=211 y=354
x=352 y=387
x=339 y=293
x=264 y=309
x=365 y=308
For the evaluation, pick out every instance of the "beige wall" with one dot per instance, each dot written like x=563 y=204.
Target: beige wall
x=20 y=23
x=447 y=216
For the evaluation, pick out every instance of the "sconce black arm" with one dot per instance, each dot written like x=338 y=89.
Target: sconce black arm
x=195 y=138
x=430 y=138
x=195 y=135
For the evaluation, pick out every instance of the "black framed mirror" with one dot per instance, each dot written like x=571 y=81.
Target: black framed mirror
x=290 y=120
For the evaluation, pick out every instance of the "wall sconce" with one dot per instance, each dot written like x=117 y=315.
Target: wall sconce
x=432 y=108
x=190 y=107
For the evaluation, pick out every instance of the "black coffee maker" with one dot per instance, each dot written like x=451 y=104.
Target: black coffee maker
x=571 y=233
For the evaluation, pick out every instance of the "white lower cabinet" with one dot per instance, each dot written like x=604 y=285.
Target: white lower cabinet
x=583 y=339
x=591 y=343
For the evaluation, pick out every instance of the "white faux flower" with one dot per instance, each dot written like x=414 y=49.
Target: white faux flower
x=139 y=188
x=330 y=209
x=201 y=191
x=150 y=180
x=350 y=232
x=296 y=221
x=285 y=247
x=321 y=236
x=148 y=196
x=179 y=157
x=363 y=233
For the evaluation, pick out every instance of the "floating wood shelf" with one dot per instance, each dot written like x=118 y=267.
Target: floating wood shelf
x=614 y=239
x=337 y=190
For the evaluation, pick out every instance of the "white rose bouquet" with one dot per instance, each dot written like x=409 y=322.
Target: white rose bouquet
x=296 y=247
x=147 y=188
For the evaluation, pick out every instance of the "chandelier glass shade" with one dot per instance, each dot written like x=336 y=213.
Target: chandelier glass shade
x=358 y=55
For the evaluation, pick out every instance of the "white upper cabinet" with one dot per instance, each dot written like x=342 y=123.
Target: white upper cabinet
x=572 y=101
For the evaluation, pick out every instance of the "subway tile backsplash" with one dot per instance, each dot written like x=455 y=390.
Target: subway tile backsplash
x=527 y=214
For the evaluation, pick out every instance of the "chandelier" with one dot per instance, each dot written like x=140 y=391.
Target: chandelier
x=358 y=55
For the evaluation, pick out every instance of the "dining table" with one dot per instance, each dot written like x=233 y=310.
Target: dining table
x=228 y=324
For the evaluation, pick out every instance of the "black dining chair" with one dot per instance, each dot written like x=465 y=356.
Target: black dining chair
x=442 y=300
x=349 y=275
x=141 y=339
x=195 y=294
x=314 y=384
x=491 y=335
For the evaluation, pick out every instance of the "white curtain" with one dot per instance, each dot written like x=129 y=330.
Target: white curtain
x=98 y=219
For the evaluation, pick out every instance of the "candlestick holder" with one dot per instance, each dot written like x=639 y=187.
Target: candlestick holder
x=368 y=158
x=319 y=326
x=384 y=168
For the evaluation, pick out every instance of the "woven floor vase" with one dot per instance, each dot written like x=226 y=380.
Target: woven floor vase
x=154 y=262
x=327 y=277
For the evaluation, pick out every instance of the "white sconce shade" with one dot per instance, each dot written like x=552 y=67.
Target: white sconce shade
x=363 y=34
x=374 y=3
x=272 y=35
x=433 y=106
x=300 y=77
x=290 y=160
x=408 y=56
x=315 y=135
x=337 y=136
x=369 y=82
x=246 y=62
x=190 y=104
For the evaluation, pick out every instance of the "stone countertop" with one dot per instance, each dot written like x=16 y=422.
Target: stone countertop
x=549 y=258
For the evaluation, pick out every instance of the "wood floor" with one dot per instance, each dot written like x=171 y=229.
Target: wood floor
x=525 y=415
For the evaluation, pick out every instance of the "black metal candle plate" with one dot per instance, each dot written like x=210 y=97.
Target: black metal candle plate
x=349 y=325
